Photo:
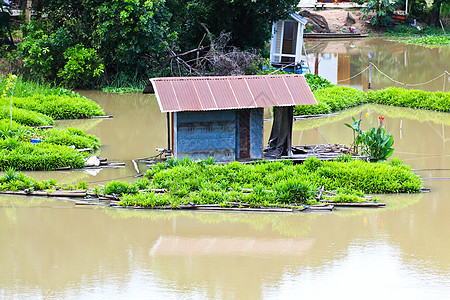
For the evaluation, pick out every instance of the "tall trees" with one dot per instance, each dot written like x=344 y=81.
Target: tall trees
x=435 y=12
x=248 y=21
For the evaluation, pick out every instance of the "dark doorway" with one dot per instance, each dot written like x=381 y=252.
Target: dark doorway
x=244 y=133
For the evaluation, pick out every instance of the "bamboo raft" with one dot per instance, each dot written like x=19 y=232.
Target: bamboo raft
x=88 y=198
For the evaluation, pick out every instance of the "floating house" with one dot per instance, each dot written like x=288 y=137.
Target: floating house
x=287 y=41
x=222 y=117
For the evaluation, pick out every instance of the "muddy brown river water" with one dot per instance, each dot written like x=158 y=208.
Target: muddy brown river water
x=54 y=249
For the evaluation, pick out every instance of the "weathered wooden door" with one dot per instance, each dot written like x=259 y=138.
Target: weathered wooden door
x=244 y=133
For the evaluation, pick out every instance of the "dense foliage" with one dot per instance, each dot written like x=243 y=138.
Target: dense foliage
x=267 y=183
x=383 y=9
x=84 y=43
x=248 y=21
x=337 y=98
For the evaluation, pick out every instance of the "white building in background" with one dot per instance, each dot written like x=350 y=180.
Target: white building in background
x=287 y=40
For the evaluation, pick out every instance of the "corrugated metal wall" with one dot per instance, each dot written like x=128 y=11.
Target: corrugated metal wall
x=219 y=134
x=199 y=135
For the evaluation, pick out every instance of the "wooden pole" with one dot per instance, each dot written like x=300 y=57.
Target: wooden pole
x=445 y=78
x=369 y=85
x=168 y=131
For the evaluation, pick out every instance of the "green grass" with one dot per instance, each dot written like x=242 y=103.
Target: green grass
x=71 y=137
x=332 y=99
x=270 y=183
x=41 y=156
x=15 y=181
x=336 y=98
x=37 y=104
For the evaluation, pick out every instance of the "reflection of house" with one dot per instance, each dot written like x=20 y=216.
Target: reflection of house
x=222 y=117
x=287 y=40
x=190 y=246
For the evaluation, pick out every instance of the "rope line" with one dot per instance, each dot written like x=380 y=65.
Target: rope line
x=354 y=75
x=392 y=79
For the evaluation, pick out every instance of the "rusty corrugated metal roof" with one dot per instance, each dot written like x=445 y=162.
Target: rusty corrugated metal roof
x=231 y=92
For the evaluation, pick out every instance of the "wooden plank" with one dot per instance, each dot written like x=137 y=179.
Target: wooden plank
x=361 y=204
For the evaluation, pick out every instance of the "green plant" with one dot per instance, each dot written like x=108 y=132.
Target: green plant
x=430 y=41
x=9 y=90
x=71 y=137
x=294 y=191
x=119 y=188
x=384 y=9
x=374 y=142
x=82 y=68
x=316 y=82
x=82 y=185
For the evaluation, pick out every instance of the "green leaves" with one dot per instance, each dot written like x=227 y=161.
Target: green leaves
x=82 y=67
x=375 y=142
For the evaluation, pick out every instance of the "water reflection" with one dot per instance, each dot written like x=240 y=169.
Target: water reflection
x=340 y=60
x=54 y=249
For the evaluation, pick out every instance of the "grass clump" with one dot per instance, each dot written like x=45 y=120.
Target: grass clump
x=71 y=137
x=25 y=117
x=60 y=107
x=336 y=98
x=437 y=101
x=37 y=105
x=119 y=188
x=54 y=151
x=27 y=156
x=332 y=99
x=267 y=183
x=16 y=181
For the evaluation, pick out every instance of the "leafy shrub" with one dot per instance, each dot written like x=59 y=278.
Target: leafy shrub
x=43 y=51
x=316 y=82
x=82 y=68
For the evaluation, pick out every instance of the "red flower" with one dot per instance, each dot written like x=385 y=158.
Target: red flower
x=381 y=118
